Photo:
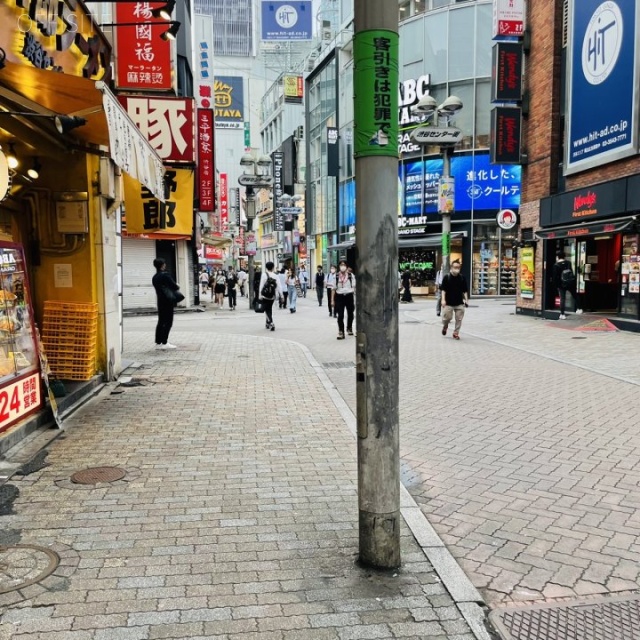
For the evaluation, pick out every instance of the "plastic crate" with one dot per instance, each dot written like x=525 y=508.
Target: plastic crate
x=74 y=372
x=74 y=307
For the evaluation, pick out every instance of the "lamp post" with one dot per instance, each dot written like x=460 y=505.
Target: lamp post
x=255 y=175
x=446 y=137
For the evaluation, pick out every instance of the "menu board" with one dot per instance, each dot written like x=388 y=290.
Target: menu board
x=630 y=276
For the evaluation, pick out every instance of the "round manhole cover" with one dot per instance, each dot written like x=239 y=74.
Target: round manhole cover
x=96 y=475
x=22 y=565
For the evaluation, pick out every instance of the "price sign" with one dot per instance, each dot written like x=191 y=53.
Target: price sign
x=18 y=399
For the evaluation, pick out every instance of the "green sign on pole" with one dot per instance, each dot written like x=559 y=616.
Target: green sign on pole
x=376 y=78
x=247 y=136
x=446 y=244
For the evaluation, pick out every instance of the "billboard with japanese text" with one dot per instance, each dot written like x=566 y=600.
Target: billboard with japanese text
x=287 y=20
x=206 y=167
x=228 y=99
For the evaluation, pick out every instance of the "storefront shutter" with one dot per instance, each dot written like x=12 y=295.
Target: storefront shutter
x=137 y=271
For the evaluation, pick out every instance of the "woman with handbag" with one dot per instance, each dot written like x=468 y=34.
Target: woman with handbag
x=168 y=295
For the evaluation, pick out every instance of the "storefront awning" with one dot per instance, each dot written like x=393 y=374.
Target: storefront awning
x=341 y=246
x=576 y=231
x=217 y=241
x=434 y=240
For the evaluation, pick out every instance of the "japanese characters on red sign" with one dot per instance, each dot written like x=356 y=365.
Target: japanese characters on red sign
x=205 y=160
x=19 y=399
x=167 y=123
x=144 y=58
x=224 y=201
x=211 y=253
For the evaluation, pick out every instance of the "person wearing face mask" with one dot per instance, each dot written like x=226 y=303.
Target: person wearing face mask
x=345 y=299
x=330 y=285
x=455 y=294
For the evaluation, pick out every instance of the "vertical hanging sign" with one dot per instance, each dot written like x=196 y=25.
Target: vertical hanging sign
x=224 y=202
x=376 y=81
x=205 y=159
x=278 y=188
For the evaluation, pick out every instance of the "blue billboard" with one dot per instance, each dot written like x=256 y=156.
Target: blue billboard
x=602 y=87
x=479 y=185
x=287 y=20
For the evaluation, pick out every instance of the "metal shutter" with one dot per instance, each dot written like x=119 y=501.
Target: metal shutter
x=137 y=271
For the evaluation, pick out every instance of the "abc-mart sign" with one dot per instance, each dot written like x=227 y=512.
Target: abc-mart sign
x=603 y=74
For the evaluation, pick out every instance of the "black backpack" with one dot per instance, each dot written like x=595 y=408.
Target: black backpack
x=269 y=289
x=567 y=277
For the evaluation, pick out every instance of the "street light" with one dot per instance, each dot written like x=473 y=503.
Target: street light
x=446 y=137
x=255 y=175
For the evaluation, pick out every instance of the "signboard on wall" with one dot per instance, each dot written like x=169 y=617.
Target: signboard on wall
x=527 y=272
x=508 y=18
x=224 y=201
x=206 y=167
x=287 y=20
x=278 y=189
x=506 y=129
x=293 y=89
x=506 y=72
x=228 y=98
x=602 y=83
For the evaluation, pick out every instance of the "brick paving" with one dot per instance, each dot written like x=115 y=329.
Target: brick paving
x=519 y=443
x=238 y=515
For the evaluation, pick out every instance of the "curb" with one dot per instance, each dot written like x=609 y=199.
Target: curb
x=466 y=597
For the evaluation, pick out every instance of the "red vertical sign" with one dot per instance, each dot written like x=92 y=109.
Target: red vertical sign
x=144 y=58
x=224 y=202
x=205 y=159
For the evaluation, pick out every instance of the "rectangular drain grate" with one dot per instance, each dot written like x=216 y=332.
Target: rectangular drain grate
x=613 y=618
x=338 y=365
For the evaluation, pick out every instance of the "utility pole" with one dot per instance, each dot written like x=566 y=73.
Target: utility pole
x=446 y=214
x=376 y=163
x=251 y=215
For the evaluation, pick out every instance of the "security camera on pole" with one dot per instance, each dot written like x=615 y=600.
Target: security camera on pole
x=446 y=138
x=256 y=175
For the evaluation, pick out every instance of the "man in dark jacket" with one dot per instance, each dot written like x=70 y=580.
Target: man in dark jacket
x=455 y=293
x=565 y=280
x=166 y=288
x=320 y=284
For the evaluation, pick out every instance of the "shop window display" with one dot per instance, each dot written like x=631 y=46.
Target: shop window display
x=630 y=276
x=421 y=264
x=494 y=262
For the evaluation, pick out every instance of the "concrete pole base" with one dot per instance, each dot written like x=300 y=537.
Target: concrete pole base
x=380 y=539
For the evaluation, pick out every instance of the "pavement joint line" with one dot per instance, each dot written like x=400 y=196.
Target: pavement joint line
x=466 y=597
x=540 y=355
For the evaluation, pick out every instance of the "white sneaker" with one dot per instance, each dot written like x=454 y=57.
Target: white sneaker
x=164 y=347
x=159 y=346
x=578 y=311
x=562 y=317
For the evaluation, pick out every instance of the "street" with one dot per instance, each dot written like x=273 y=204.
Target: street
x=236 y=516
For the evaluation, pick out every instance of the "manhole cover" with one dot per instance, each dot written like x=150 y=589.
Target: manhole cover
x=616 y=618
x=22 y=565
x=98 y=474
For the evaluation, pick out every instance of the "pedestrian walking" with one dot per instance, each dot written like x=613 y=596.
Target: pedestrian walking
x=292 y=283
x=406 y=287
x=204 y=281
x=303 y=279
x=330 y=284
x=345 y=298
x=282 y=277
x=320 y=284
x=269 y=288
x=168 y=295
x=438 y=292
x=219 y=287
x=565 y=280
x=232 y=282
x=242 y=280
x=455 y=293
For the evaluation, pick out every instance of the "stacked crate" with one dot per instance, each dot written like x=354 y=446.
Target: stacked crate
x=70 y=338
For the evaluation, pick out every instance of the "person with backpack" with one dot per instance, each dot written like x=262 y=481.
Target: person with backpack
x=303 y=279
x=292 y=289
x=345 y=298
x=565 y=280
x=219 y=286
x=269 y=289
x=455 y=294
x=232 y=281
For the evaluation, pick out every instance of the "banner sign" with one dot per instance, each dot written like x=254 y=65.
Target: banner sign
x=236 y=206
x=446 y=195
x=18 y=399
x=206 y=167
x=333 y=153
x=287 y=20
x=376 y=81
x=293 y=89
x=146 y=214
x=506 y=72
x=278 y=189
x=527 y=272
x=603 y=74
x=129 y=149
x=144 y=58
x=224 y=201
x=228 y=98
x=506 y=128
x=167 y=123
x=508 y=18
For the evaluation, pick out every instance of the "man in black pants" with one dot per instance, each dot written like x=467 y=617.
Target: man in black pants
x=344 y=297
x=232 y=281
x=269 y=297
x=320 y=284
x=165 y=287
x=565 y=280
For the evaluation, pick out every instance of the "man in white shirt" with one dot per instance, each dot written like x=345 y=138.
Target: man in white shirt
x=242 y=279
x=330 y=285
x=303 y=277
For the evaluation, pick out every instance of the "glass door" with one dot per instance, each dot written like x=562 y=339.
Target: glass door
x=629 y=285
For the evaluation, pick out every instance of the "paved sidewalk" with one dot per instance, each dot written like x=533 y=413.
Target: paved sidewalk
x=236 y=519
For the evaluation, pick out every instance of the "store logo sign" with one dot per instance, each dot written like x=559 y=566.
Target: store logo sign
x=602 y=43
x=507 y=219
x=585 y=205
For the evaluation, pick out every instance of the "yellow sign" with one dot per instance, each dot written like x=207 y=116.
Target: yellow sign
x=292 y=86
x=146 y=214
x=527 y=272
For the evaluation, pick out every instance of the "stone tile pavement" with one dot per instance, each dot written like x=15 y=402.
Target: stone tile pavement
x=237 y=518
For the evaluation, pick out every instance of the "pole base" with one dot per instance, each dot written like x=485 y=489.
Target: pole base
x=380 y=540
